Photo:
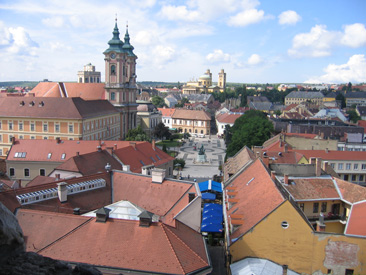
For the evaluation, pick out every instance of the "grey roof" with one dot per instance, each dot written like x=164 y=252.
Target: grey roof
x=257 y=99
x=308 y=95
x=355 y=95
x=262 y=106
x=257 y=266
x=198 y=97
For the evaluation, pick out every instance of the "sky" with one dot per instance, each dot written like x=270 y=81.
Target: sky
x=284 y=41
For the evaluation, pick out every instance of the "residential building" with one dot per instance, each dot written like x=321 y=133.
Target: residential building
x=263 y=221
x=355 y=99
x=168 y=227
x=148 y=117
x=170 y=101
x=349 y=165
x=361 y=111
x=191 y=121
x=30 y=158
x=89 y=75
x=330 y=114
x=298 y=97
x=56 y=118
x=166 y=116
x=225 y=119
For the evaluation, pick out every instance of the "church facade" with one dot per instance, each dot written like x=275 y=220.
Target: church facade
x=204 y=84
x=120 y=79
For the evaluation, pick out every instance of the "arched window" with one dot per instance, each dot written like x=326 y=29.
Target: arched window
x=113 y=69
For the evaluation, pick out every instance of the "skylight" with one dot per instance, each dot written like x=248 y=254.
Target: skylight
x=49 y=155
x=63 y=156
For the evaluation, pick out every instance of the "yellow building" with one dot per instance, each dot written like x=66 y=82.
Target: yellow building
x=191 y=121
x=51 y=118
x=263 y=221
x=204 y=84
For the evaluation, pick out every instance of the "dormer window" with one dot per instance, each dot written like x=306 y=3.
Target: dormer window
x=63 y=156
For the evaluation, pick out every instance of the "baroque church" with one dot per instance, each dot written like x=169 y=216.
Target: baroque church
x=204 y=84
x=119 y=87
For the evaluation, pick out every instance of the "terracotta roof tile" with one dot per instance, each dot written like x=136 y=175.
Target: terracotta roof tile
x=39 y=180
x=143 y=155
x=191 y=114
x=166 y=112
x=87 y=91
x=38 y=150
x=284 y=157
x=227 y=118
x=258 y=196
x=351 y=192
x=158 y=248
x=356 y=224
x=235 y=163
x=90 y=163
x=312 y=188
x=333 y=155
x=142 y=192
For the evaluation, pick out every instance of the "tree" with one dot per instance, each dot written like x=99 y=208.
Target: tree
x=353 y=116
x=183 y=101
x=342 y=99
x=161 y=131
x=158 y=101
x=136 y=134
x=251 y=129
x=181 y=163
x=349 y=87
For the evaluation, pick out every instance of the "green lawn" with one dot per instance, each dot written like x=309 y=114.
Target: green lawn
x=169 y=144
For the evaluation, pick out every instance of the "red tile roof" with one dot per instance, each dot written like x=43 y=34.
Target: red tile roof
x=257 y=198
x=191 y=114
x=351 y=192
x=86 y=201
x=333 y=155
x=166 y=112
x=39 y=180
x=312 y=188
x=227 y=118
x=60 y=108
x=158 y=248
x=154 y=197
x=357 y=220
x=87 y=91
x=284 y=157
x=143 y=154
x=91 y=163
x=38 y=150
x=235 y=163
x=277 y=146
x=362 y=123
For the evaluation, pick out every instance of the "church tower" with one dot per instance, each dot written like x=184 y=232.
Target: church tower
x=222 y=80
x=120 y=79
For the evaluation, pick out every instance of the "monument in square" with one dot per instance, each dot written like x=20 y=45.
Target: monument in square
x=201 y=156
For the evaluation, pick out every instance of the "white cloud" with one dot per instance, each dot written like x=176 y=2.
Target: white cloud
x=254 y=59
x=161 y=55
x=316 y=43
x=56 y=46
x=17 y=41
x=218 y=56
x=56 y=22
x=288 y=18
x=354 y=35
x=353 y=71
x=180 y=13
x=246 y=18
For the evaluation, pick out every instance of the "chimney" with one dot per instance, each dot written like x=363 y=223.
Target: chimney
x=144 y=170
x=273 y=175
x=284 y=269
x=153 y=144
x=285 y=179
x=99 y=148
x=327 y=150
x=58 y=140
x=312 y=160
x=158 y=175
x=76 y=211
x=77 y=154
x=266 y=161
x=126 y=168
x=62 y=191
x=280 y=143
x=191 y=196
x=318 y=165
x=325 y=166
x=145 y=218
x=57 y=176
x=102 y=214
x=258 y=154
x=115 y=146
x=320 y=225
x=12 y=140
x=133 y=144
x=286 y=147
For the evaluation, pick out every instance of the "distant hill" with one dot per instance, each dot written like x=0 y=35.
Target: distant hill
x=31 y=84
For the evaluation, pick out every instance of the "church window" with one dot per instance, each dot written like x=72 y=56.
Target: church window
x=113 y=96
x=86 y=80
x=113 y=69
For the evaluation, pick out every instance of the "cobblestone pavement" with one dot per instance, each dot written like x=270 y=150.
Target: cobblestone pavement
x=215 y=151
